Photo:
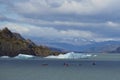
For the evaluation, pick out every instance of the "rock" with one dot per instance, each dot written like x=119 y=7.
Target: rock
x=13 y=44
x=18 y=36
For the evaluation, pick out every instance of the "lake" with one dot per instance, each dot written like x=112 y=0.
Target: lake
x=102 y=67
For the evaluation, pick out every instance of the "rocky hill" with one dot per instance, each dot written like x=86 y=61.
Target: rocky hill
x=12 y=44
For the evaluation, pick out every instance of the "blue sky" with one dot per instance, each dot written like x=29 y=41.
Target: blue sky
x=67 y=21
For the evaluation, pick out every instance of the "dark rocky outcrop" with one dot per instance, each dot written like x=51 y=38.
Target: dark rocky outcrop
x=116 y=51
x=12 y=44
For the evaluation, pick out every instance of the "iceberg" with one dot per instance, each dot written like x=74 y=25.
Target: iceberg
x=23 y=56
x=5 y=57
x=71 y=55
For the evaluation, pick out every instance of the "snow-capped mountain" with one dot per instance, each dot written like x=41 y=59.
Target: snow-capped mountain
x=91 y=46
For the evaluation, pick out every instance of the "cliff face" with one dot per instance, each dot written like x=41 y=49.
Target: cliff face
x=12 y=44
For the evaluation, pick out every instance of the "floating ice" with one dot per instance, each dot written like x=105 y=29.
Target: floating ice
x=71 y=55
x=20 y=56
x=23 y=56
x=4 y=57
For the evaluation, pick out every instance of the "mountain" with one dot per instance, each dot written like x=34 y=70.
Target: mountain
x=93 y=47
x=117 y=50
x=101 y=47
x=13 y=44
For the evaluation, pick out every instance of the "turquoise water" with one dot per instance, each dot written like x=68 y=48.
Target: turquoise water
x=99 y=68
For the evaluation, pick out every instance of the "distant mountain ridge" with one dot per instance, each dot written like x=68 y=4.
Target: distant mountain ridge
x=102 y=47
x=94 y=47
x=13 y=44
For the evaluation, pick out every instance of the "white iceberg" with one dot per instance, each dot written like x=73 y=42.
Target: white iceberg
x=4 y=56
x=70 y=55
x=23 y=56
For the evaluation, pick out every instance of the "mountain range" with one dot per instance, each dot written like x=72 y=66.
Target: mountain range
x=93 y=47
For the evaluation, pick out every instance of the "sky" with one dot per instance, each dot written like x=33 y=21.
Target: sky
x=62 y=21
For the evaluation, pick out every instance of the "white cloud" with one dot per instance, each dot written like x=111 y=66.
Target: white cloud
x=79 y=24
x=62 y=6
x=77 y=33
x=47 y=32
x=50 y=32
x=15 y=28
x=112 y=24
x=106 y=39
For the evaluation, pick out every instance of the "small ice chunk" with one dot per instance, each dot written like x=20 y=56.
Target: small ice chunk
x=23 y=56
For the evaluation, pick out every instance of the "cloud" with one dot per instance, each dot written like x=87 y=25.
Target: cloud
x=47 y=7
x=15 y=28
x=62 y=19
x=80 y=10
x=69 y=35
x=71 y=30
x=47 y=32
x=2 y=18
x=113 y=24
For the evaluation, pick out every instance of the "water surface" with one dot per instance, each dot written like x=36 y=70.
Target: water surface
x=52 y=69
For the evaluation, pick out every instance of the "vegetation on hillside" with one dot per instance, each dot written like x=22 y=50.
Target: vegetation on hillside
x=12 y=44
